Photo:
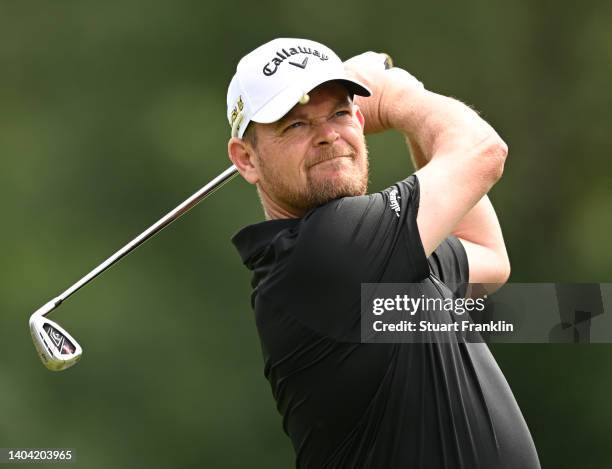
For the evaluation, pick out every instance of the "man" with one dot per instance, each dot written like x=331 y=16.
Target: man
x=298 y=119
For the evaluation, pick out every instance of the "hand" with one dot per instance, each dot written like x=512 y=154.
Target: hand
x=386 y=85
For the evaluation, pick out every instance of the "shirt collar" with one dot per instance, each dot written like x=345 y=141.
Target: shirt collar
x=252 y=239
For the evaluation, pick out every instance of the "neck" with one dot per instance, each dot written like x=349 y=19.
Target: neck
x=274 y=209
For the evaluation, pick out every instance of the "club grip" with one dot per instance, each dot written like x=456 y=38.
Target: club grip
x=388 y=61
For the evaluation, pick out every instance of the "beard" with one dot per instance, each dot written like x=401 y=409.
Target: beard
x=319 y=189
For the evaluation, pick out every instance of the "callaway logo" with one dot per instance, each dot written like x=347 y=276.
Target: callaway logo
x=282 y=55
x=394 y=204
x=302 y=65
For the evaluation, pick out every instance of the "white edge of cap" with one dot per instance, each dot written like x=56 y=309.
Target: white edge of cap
x=284 y=101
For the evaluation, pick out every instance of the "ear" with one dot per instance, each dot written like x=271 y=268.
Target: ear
x=359 y=116
x=242 y=155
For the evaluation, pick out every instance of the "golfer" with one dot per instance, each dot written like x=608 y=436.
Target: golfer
x=298 y=117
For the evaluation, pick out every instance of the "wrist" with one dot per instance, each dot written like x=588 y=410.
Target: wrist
x=398 y=107
x=392 y=91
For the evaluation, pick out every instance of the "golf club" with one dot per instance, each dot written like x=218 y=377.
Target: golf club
x=57 y=349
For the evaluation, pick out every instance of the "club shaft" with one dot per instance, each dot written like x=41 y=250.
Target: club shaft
x=167 y=219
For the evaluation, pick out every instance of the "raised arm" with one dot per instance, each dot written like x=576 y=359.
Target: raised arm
x=464 y=158
x=480 y=233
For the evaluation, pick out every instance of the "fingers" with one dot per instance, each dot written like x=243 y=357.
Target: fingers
x=375 y=69
x=376 y=60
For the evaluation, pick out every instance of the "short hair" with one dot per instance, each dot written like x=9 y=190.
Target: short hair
x=250 y=135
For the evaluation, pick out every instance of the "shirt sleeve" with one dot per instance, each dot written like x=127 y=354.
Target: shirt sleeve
x=449 y=263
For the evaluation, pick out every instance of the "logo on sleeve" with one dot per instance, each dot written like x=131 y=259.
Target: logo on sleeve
x=393 y=202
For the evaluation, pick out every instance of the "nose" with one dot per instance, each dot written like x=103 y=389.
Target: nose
x=326 y=134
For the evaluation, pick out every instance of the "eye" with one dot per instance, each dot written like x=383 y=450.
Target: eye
x=294 y=125
x=342 y=113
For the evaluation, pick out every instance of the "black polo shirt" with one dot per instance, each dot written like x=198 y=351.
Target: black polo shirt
x=347 y=404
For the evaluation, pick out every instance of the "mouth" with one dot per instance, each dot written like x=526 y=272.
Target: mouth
x=327 y=160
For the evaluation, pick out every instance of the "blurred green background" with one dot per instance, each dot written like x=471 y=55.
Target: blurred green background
x=111 y=113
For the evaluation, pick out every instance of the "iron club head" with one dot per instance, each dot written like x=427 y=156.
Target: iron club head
x=57 y=349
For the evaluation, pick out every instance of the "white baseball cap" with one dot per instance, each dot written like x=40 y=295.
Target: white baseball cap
x=273 y=78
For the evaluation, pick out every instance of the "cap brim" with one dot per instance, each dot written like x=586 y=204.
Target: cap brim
x=283 y=102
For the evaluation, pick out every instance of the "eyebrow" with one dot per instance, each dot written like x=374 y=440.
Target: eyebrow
x=291 y=115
